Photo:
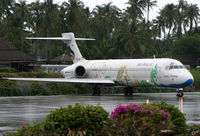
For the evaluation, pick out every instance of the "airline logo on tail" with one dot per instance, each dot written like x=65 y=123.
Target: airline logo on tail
x=72 y=53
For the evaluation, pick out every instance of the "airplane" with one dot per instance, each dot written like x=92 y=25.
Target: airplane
x=127 y=73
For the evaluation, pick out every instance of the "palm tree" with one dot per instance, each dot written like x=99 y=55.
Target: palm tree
x=149 y=4
x=135 y=9
x=5 y=7
x=180 y=16
x=192 y=15
x=5 y=12
x=106 y=18
x=159 y=26
x=36 y=17
x=134 y=12
x=42 y=22
x=49 y=18
x=76 y=17
x=168 y=14
x=15 y=26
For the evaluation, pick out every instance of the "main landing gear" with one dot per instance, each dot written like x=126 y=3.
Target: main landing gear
x=96 y=91
x=180 y=92
x=128 y=91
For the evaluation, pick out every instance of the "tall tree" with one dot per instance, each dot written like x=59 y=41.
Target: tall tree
x=134 y=13
x=77 y=19
x=36 y=11
x=168 y=14
x=149 y=5
x=6 y=7
x=49 y=17
x=159 y=26
x=135 y=8
x=105 y=19
x=180 y=17
x=192 y=16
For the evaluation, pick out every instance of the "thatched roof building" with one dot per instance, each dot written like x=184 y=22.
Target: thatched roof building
x=62 y=59
x=11 y=57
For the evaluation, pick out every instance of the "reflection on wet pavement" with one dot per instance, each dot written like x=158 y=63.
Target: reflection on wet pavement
x=180 y=102
x=18 y=111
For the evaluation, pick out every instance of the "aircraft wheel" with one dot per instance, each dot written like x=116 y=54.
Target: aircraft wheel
x=98 y=91
x=180 y=94
x=128 y=91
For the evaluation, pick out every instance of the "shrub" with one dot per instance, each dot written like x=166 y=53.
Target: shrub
x=36 y=129
x=8 y=70
x=137 y=120
x=194 y=130
x=177 y=117
x=196 y=75
x=88 y=120
x=140 y=120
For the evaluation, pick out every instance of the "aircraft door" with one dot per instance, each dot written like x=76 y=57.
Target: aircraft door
x=159 y=73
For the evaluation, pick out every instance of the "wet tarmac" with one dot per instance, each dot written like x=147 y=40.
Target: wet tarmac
x=18 y=111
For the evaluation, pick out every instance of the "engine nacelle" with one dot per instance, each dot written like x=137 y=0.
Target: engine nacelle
x=80 y=72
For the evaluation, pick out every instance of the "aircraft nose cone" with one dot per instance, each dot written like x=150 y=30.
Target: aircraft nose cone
x=189 y=82
x=190 y=79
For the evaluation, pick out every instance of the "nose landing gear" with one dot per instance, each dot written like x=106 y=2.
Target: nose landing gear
x=180 y=92
x=128 y=91
x=96 y=91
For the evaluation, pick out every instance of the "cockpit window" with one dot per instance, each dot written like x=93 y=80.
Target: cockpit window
x=173 y=66
x=182 y=67
x=176 y=67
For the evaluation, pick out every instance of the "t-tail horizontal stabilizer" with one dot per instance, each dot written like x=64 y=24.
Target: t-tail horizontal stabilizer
x=58 y=38
x=70 y=39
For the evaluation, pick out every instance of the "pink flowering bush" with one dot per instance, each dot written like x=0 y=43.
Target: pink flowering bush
x=177 y=118
x=131 y=120
x=140 y=119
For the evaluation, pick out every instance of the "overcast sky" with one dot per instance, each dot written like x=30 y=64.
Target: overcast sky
x=121 y=4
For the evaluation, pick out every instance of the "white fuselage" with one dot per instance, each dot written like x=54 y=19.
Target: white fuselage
x=135 y=72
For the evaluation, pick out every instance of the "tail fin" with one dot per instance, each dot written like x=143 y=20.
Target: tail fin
x=74 y=50
x=70 y=39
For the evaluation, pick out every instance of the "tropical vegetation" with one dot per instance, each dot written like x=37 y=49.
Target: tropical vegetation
x=119 y=33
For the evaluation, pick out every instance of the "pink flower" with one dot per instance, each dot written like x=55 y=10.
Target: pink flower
x=139 y=106
x=136 y=111
x=23 y=126
x=150 y=105
x=156 y=108
x=163 y=122
x=152 y=113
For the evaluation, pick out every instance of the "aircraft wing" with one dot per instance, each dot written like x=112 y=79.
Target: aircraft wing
x=66 y=80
